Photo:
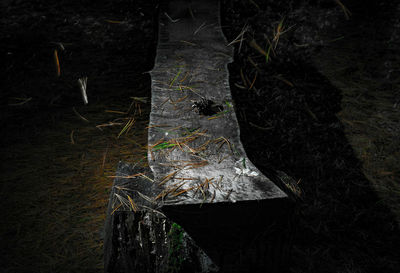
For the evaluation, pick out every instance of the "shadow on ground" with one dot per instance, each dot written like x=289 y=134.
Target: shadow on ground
x=288 y=113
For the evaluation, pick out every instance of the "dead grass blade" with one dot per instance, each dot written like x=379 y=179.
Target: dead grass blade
x=260 y=127
x=184 y=78
x=114 y=21
x=127 y=127
x=242 y=77
x=281 y=78
x=126 y=176
x=71 y=136
x=183 y=191
x=116 y=208
x=229 y=194
x=122 y=200
x=222 y=159
x=167 y=177
x=148 y=178
x=199 y=28
x=254 y=81
x=169 y=18
x=178 y=100
x=189 y=43
x=175 y=78
x=346 y=11
x=196 y=165
x=109 y=124
x=255 y=4
x=145 y=197
x=223 y=140
x=57 y=62
x=239 y=38
x=185 y=178
x=133 y=205
x=213 y=197
x=254 y=45
x=83 y=86
x=22 y=101
x=115 y=112
x=79 y=115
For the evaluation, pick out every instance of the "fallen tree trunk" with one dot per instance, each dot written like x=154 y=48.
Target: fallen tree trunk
x=202 y=206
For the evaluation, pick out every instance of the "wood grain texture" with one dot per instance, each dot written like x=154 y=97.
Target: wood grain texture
x=202 y=154
x=231 y=217
x=145 y=240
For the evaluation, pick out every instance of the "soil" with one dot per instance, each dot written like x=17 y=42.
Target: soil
x=57 y=153
x=320 y=103
x=293 y=112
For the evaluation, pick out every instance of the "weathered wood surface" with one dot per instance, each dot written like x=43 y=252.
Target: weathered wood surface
x=138 y=238
x=195 y=149
x=201 y=179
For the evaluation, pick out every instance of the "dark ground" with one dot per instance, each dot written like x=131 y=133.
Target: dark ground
x=323 y=107
x=289 y=121
x=55 y=165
